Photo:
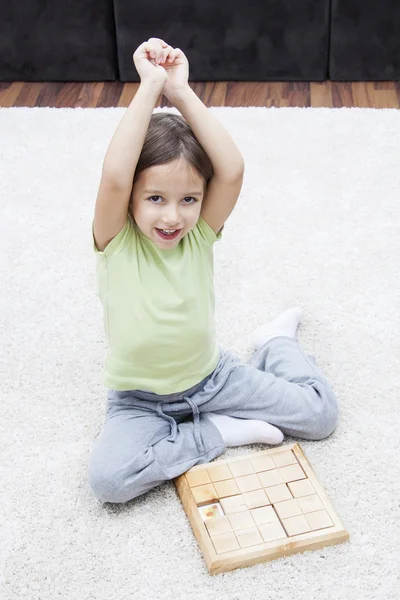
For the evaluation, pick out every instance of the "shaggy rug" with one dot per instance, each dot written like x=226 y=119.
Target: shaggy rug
x=317 y=225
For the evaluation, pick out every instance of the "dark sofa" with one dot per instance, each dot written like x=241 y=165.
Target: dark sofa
x=243 y=40
x=365 y=40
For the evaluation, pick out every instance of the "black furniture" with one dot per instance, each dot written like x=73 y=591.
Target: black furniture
x=52 y=40
x=365 y=40
x=239 y=40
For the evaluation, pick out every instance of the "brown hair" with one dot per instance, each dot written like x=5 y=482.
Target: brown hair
x=168 y=138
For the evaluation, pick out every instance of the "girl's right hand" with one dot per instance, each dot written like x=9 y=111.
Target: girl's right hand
x=147 y=58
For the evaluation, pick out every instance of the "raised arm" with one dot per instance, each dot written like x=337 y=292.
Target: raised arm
x=123 y=153
x=228 y=164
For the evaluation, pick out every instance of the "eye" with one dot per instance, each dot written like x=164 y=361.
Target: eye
x=186 y=200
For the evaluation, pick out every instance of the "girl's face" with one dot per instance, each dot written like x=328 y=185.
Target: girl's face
x=166 y=202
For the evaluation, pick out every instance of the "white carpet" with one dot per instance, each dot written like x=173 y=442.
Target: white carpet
x=317 y=225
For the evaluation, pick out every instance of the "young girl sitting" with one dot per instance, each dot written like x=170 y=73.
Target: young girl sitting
x=175 y=398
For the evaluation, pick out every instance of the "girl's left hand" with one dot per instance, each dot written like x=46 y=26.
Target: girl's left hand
x=175 y=63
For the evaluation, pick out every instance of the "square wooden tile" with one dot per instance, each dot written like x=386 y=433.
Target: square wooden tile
x=242 y=520
x=204 y=493
x=310 y=503
x=219 y=472
x=319 y=520
x=233 y=504
x=264 y=515
x=249 y=537
x=282 y=459
x=262 y=463
x=218 y=526
x=256 y=499
x=269 y=478
x=225 y=488
x=278 y=493
x=301 y=488
x=272 y=531
x=241 y=467
x=199 y=477
x=288 y=508
x=296 y=525
x=248 y=483
x=225 y=543
x=292 y=473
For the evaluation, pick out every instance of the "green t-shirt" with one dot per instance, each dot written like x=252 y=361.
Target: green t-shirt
x=158 y=308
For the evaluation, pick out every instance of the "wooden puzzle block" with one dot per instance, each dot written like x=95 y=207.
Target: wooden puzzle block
x=264 y=515
x=284 y=458
x=204 y=493
x=218 y=473
x=225 y=543
x=233 y=504
x=256 y=499
x=242 y=520
x=198 y=477
x=296 y=525
x=262 y=463
x=228 y=487
x=278 y=493
x=248 y=483
x=292 y=473
x=301 y=488
x=319 y=520
x=246 y=510
x=241 y=467
x=218 y=526
x=288 y=508
x=270 y=478
x=249 y=537
x=310 y=503
x=272 y=532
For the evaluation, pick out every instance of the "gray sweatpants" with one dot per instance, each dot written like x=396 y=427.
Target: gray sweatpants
x=148 y=439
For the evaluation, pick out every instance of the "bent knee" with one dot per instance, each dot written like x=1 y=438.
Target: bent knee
x=111 y=486
x=106 y=487
x=325 y=417
x=122 y=480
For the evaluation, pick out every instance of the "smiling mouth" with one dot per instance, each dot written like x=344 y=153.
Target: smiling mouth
x=168 y=234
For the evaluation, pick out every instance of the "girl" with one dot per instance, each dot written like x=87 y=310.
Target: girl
x=175 y=398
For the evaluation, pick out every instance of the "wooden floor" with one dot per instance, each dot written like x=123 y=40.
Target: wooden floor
x=332 y=94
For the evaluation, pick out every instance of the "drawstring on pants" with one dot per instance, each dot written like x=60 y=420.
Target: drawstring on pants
x=196 y=421
x=174 y=428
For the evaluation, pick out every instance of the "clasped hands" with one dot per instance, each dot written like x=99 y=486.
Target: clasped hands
x=160 y=64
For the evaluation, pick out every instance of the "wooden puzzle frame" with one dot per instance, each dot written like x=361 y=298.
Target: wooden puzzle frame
x=223 y=561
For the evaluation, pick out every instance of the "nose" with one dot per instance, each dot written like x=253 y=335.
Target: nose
x=171 y=217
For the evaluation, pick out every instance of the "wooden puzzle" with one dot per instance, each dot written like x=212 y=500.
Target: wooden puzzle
x=258 y=507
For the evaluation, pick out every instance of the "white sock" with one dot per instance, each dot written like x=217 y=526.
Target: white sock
x=286 y=324
x=239 y=432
